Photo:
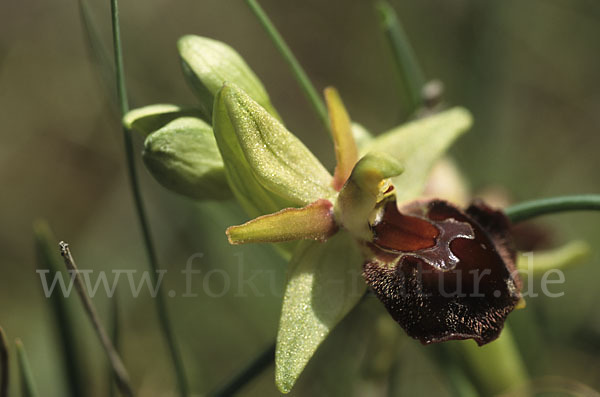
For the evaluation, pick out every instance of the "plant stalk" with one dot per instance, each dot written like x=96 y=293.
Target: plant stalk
x=161 y=305
x=27 y=382
x=531 y=209
x=248 y=373
x=119 y=370
x=301 y=77
x=407 y=65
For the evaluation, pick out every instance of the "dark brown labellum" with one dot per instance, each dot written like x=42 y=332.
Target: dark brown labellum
x=444 y=273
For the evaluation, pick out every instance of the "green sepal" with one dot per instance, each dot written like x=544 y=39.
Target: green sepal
x=362 y=136
x=418 y=145
x=183 y=157
x=313 y=222
x=265 y=163
x=208 y=63
x=148 y=119
x=539 y=262
x=324 y=284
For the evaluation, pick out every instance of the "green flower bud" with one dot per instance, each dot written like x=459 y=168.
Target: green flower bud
x=148 y=119
x=183 y=157
x=208 y=63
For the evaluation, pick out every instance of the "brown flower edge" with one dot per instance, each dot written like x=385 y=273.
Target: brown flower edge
x=444 y=273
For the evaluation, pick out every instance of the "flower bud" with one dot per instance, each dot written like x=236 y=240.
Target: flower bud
x=183 y=157
x=208 y=63
x=148 y=119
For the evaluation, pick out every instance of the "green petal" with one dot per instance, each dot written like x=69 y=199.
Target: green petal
x=313 y=222
x=539 y=262
x=418 y=145
x=208 y=63
x=365 y=188
x=150 y=118
x=324 y=284
x=278 y=160
x=183 y=157
x=346 y=153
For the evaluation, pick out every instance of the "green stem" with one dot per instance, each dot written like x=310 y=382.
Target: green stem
x=98 y=52
x=249 y=372
x=28 y=385
x=407 y=66
x=530 y=209
x=3 y=364
x=161 y=306
x=309 y=90
x=496 y=367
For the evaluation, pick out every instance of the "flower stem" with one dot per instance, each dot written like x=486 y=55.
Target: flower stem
x=496 y=367
x=530 y=209
x=161 y=306
x=248 y=373
x=309 y=90
x=407 y=65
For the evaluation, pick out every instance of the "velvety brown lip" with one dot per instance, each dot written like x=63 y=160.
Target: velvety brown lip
x=461 y=287
x=399 y=232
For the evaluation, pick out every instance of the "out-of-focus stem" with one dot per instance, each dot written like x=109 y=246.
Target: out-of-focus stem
x=252 y=370
x=161 y=305
x=45 y=246
x=28 y=384
x=496 y=367
x=301 y=77
x=531 y=209
x=121 y=375
x=405 y=59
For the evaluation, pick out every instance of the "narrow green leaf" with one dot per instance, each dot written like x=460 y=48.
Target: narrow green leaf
x=148 y=119
x=313 y=222
x=183 y=157
x=277 y=159
x=208 y=63
x=539 y=262
x=418 y=145
x=64 y=314
x=324 y=284
x=28 y=387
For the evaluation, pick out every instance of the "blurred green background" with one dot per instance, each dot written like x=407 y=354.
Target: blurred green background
x=528 y=71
